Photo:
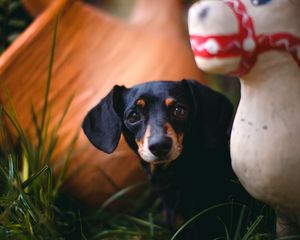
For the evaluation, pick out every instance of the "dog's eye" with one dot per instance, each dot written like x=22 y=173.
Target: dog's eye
x=179 y=112
x=133 y=117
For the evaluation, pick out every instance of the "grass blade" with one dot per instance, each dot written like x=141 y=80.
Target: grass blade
x=32 y=178
x=253 y=227
x=151 y=224
x=66 y=108
x=37 y=128
x=11 y=170
x=51 y=61
x=200 y=214
x=25 y=168
x=239 y=226
x=144 y=223
x=118 y=195
x=63 y=171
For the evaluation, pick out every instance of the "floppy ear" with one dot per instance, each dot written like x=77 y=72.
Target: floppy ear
x=102 y=125
x=212 y=113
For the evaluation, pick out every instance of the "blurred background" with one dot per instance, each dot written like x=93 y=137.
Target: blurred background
x=16 y=15
x=98 y=44
x=47 y=85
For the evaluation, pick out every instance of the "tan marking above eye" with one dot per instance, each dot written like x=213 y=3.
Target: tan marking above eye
x=140 y=102
x=169 y=101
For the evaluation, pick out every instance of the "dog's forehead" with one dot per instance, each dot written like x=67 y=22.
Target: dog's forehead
x=155 y=90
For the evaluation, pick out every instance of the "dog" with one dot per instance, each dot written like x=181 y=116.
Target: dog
x=179 y=130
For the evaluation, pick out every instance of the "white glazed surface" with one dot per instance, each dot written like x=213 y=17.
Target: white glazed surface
x=265 y=141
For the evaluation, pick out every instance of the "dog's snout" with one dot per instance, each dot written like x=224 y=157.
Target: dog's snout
x=160 y=146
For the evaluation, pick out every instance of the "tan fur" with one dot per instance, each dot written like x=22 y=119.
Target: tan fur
x=145 y=153
x=141 y=103
x=178 y=138
x=143 y=147
x=169 y=101
x=152 y=167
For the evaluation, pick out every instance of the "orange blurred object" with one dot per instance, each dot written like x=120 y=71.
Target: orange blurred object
x=35 y=7
x=94 y=52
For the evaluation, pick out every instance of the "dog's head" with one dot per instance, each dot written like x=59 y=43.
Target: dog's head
x=159 y=118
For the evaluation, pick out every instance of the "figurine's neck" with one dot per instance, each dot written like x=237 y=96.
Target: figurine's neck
x=274 y=72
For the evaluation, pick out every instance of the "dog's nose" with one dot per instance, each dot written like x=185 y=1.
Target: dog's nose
x=161 y=146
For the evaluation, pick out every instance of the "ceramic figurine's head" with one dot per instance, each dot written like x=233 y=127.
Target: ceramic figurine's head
x=227 y=36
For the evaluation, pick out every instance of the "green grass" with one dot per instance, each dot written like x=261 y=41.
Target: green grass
x=33 y=205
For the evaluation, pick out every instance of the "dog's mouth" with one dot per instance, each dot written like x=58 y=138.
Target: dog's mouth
x=146 y=155
x=162 y=162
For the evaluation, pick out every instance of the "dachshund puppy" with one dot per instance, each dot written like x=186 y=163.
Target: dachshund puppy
x=180 y=132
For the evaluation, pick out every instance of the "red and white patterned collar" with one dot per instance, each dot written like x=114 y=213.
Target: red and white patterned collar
x=245 y=44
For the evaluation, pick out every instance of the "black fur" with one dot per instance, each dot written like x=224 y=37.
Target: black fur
x=201 y=176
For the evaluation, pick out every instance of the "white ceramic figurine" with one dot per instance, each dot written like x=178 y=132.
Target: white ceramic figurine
x=259 y=41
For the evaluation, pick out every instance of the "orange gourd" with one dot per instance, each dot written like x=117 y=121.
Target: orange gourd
x=94 y=52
